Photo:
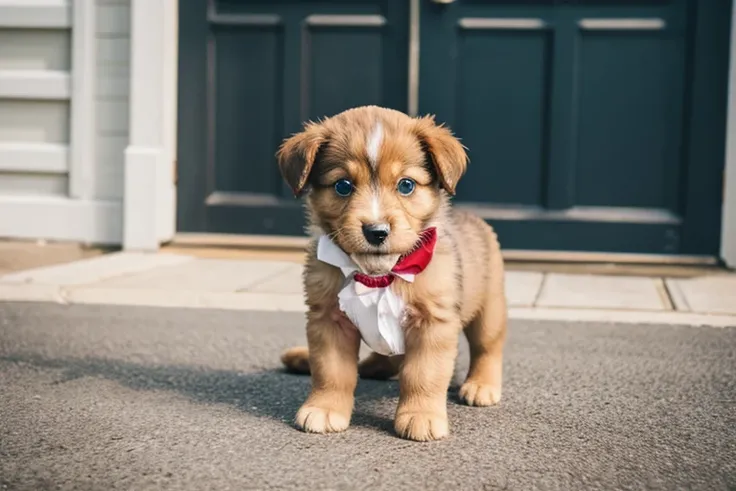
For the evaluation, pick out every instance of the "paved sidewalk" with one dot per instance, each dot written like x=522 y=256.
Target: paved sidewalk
x=180 y=280
x=19 y=255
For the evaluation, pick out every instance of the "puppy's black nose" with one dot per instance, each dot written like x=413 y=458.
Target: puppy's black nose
x=376 y=233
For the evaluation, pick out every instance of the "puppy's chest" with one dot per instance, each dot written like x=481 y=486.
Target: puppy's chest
x=383 y=314
x=379 y=314
x=377 y=305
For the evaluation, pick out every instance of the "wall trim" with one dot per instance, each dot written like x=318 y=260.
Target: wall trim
x=140 y=208
x=53 y=14
x=149 y=196
x=82 y=160
x=45 y=158
x=35 y=84
x=728 y=220
x=63 y=219
x=167 y=210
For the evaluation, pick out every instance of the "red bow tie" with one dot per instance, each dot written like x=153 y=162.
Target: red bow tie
x=412 y=263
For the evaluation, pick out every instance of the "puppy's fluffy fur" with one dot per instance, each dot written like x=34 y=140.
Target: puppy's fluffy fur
x=462 y=289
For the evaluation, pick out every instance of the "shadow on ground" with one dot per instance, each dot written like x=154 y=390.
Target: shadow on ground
x=275 y=394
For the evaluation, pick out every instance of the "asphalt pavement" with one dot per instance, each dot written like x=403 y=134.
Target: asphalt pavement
x=100 y=398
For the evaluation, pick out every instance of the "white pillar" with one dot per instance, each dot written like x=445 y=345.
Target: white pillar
x=149 y=196
x=728 y=223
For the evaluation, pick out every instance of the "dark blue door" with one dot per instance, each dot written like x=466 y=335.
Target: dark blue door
x=592 y=125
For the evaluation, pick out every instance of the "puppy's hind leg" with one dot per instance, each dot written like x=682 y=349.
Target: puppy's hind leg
x=486 y=337
x=483 y=385
x=296 y=360
x=375 y=366
x=379 y=367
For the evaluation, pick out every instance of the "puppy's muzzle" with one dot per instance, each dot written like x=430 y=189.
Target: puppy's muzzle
x=376 y=233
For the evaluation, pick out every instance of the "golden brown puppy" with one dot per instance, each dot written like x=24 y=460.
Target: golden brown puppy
x=376 y=181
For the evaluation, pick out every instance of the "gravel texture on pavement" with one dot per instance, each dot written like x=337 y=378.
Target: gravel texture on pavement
x=97 y=397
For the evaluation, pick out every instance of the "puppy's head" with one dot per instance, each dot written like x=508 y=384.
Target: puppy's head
x=376 y=178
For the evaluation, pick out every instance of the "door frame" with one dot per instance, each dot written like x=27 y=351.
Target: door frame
x=149 y=192
x=160 y=20
x=728 y=219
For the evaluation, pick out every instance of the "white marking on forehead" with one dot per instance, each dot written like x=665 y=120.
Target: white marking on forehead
x=376 y=206
x=373 y=144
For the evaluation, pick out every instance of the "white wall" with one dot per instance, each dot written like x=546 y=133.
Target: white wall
x=35 y=93
x=62 y=143
x=112 y=96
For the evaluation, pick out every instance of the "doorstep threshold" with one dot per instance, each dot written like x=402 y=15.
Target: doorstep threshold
x=292 y=248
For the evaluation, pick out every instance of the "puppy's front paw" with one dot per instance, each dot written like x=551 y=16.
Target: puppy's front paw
x=477 y=394
x=314 y=419
x=421 y=426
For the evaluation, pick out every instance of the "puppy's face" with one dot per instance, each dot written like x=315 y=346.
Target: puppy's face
x=376 y=178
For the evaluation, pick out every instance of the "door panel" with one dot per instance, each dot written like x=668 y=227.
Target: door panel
x=344 y=66
x=503 y=72
x=629 y=119
x=250 y=73
x=576 y=116
x=247 y=72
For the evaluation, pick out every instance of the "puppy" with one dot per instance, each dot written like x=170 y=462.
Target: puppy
x=377 y=185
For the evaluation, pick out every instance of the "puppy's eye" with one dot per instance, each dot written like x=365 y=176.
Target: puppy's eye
x=406 y=186
x=343 y=187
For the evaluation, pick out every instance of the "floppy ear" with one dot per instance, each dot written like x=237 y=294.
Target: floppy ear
x=297 y=154
x=445 y=151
